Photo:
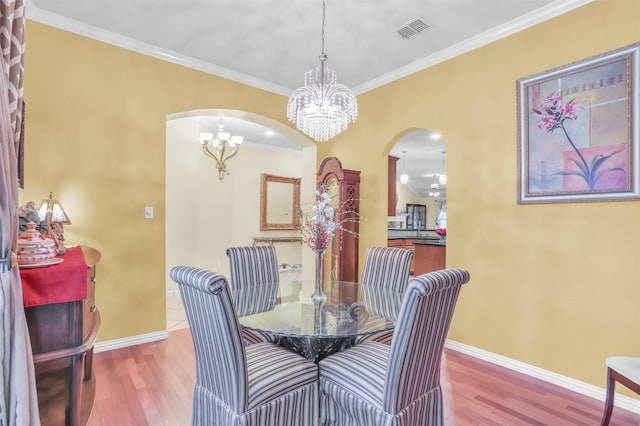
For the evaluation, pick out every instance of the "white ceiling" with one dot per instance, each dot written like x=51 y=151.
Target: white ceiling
x=270 y=44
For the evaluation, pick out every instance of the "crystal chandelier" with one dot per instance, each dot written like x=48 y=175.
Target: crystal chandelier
x=322 y=108
x=220 y=148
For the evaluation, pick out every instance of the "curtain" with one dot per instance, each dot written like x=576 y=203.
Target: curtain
x=19 y=403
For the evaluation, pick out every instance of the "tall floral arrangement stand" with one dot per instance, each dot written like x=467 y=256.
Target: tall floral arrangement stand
x=342 y=255
x=318 y=230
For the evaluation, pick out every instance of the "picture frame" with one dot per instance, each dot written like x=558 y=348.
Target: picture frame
x=279 y=203
x=578 y=137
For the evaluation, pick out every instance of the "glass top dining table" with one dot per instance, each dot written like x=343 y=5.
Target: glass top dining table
x=314 y=329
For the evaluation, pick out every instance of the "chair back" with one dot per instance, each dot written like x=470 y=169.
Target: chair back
x=384 y=280
x=419 y=336
x=220 y=354
x=254 y=278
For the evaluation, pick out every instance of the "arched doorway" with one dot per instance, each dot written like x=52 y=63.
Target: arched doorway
x=420 y=154
x=205 y=215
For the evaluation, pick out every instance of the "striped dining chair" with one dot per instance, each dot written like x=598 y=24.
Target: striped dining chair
x=261 y=384
x=384 y=280
x=254 y=283
x=377 y=384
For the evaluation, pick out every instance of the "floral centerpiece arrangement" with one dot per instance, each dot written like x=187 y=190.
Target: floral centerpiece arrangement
x=318 y=229
x=442 y=232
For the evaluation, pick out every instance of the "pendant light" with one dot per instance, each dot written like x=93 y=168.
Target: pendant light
x=435 y=187
x=443 y=176
x=404 y=177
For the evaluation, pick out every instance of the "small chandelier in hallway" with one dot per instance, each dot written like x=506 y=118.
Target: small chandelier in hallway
x=322 y=108
x=221 y=148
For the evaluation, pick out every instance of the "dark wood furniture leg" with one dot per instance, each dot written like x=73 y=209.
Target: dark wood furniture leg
x=74 y=380
x=88 y=365
x=612 y=377
x=608 y=406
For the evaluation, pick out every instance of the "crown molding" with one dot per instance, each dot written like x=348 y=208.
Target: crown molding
x=89 y=31
x=552 y=10
x=530 y=19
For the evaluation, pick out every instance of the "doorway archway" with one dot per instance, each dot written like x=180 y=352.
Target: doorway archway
x=205 y=215
x=421 y=155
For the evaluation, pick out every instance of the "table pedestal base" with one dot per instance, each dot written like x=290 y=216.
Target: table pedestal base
x=315 y=348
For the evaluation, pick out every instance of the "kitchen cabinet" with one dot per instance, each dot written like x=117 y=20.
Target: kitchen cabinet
x=391 y=191
x=405 y=243
x=342 y=257
x=429 y=257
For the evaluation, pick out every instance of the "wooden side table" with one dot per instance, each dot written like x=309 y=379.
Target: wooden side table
x=63 y=333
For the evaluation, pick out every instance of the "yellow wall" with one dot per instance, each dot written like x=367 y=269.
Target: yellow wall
x=553 y=285
x=95 y=136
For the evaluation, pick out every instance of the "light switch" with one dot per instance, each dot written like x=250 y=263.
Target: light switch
x=148 y=212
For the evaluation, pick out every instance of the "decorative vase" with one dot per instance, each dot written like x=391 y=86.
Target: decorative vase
x=318 y=296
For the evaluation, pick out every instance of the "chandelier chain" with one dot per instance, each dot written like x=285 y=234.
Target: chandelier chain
x=322 y=54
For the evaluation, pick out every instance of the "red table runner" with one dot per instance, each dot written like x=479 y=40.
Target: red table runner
x=64 y=282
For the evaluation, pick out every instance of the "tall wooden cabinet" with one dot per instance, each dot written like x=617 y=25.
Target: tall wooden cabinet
x=391 y=187
x=344 y=184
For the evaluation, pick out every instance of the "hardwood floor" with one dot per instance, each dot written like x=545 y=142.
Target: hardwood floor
x=152 y=384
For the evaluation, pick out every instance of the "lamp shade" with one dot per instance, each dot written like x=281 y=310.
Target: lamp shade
x=52 y=211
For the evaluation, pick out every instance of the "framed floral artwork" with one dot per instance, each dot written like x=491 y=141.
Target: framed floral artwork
x=578 y=134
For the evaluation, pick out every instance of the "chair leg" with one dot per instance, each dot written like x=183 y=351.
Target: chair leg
x=608 y=407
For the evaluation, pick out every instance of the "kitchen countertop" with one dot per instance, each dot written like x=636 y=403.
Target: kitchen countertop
x=413 y=237
x=431 y=242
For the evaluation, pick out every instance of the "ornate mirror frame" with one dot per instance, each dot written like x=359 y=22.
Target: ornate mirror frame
x=279 y=203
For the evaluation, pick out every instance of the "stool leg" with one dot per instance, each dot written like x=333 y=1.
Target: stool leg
x=88 y=364
x=608 y=407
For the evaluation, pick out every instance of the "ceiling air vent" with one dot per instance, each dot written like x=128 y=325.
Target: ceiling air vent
x=413 y=28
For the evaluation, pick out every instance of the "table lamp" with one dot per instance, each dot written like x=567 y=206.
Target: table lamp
x=53 y=213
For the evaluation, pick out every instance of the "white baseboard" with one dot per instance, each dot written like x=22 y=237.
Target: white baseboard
x=130 y=341
x=574 y=385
